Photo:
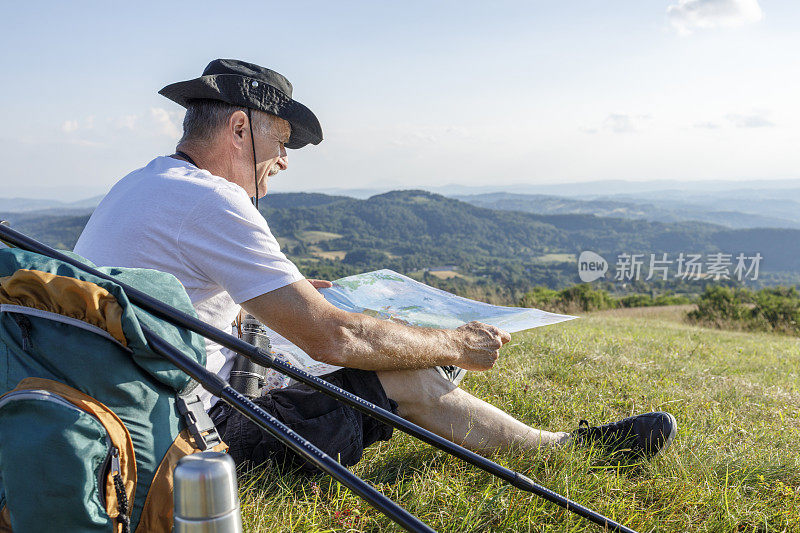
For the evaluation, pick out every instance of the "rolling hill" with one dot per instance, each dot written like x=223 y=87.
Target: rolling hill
x=493 y=254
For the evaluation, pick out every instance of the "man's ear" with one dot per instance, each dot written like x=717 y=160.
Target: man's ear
x=237 y=125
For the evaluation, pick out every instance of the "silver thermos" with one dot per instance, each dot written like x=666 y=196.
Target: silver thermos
x=206 y=494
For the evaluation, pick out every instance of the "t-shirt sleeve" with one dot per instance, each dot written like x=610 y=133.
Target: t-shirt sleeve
x=225 y=239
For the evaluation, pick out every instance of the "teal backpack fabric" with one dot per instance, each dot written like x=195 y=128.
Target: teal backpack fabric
x=55 y=455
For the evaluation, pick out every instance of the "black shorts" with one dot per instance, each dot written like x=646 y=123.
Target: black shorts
x=335 y=428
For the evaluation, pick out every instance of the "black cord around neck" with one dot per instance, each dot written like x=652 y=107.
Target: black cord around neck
x=255 y=169
x=186 y=157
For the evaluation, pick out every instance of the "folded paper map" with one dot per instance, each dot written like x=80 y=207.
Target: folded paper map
x=387 y=294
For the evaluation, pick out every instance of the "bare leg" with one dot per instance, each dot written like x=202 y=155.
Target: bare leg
x=427 y=399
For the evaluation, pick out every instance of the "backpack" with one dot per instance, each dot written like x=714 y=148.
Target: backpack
x=92 y=422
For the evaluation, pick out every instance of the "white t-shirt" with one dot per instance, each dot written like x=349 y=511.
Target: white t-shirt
x=174 y=217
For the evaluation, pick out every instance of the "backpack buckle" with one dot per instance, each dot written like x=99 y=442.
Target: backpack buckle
x=198 y=422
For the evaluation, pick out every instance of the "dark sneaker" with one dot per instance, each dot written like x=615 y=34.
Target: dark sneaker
x=452 y=373
x=631 y=439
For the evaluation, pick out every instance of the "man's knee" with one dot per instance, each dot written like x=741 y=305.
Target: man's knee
x=415 y=389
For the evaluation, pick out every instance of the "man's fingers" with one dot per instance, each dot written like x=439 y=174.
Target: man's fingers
x=320 y=283
x=505 y=336
x=502 y=334
x=484 y=342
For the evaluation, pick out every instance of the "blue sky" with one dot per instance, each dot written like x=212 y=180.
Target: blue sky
x=415 y=93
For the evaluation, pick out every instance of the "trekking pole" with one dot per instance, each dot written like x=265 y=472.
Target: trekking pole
x=218 y=387
x=179 y=318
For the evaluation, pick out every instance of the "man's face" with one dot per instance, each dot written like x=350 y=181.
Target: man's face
x=271 y=155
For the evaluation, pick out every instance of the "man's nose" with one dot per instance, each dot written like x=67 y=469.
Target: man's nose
x=283 y=160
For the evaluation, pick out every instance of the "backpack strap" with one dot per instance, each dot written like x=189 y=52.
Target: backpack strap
x=197 y=420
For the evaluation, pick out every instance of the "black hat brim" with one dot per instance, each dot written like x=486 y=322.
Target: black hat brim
x=254 y=94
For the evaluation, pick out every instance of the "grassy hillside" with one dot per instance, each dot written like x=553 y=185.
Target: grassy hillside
x=734 y=465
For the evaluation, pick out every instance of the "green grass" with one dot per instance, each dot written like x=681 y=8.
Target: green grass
x=734 y=466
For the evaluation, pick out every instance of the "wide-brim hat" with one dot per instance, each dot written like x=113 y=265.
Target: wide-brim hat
x=247 y=85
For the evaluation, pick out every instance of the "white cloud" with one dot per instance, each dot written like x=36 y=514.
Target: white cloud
x=620 y=123
x=707 y=125
x=750 y=121
x=755 y=119
x=126 y=122
x=69 y=126
x=689 y=15
x=158 y=122
x=165 y=122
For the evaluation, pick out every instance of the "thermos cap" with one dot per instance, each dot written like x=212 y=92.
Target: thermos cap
x=205 y=486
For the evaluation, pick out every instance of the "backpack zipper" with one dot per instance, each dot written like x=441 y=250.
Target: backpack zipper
x=110 y=463
x=20 y=314
x=110 y=466
x=24 y=324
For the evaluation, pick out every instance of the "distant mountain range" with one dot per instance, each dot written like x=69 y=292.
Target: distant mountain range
x=591 y=189
x=20 y=205
x=745 y=204
x=725 y=209
x=734 y=204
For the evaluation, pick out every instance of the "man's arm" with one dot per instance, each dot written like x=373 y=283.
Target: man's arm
x=331 y=335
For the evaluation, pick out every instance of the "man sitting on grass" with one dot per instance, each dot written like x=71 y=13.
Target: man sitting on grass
x=190 y=214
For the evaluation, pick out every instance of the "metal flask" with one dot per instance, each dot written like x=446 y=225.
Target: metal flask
x=206 y=494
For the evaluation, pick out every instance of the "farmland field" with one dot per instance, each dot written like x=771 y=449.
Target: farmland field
x=313 y=237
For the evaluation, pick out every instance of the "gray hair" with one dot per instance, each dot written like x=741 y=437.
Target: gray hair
x=205 y=117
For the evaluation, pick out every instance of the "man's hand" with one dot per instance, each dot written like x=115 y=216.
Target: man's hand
x=479 y=345
x=330 y=335
x=320 y=283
